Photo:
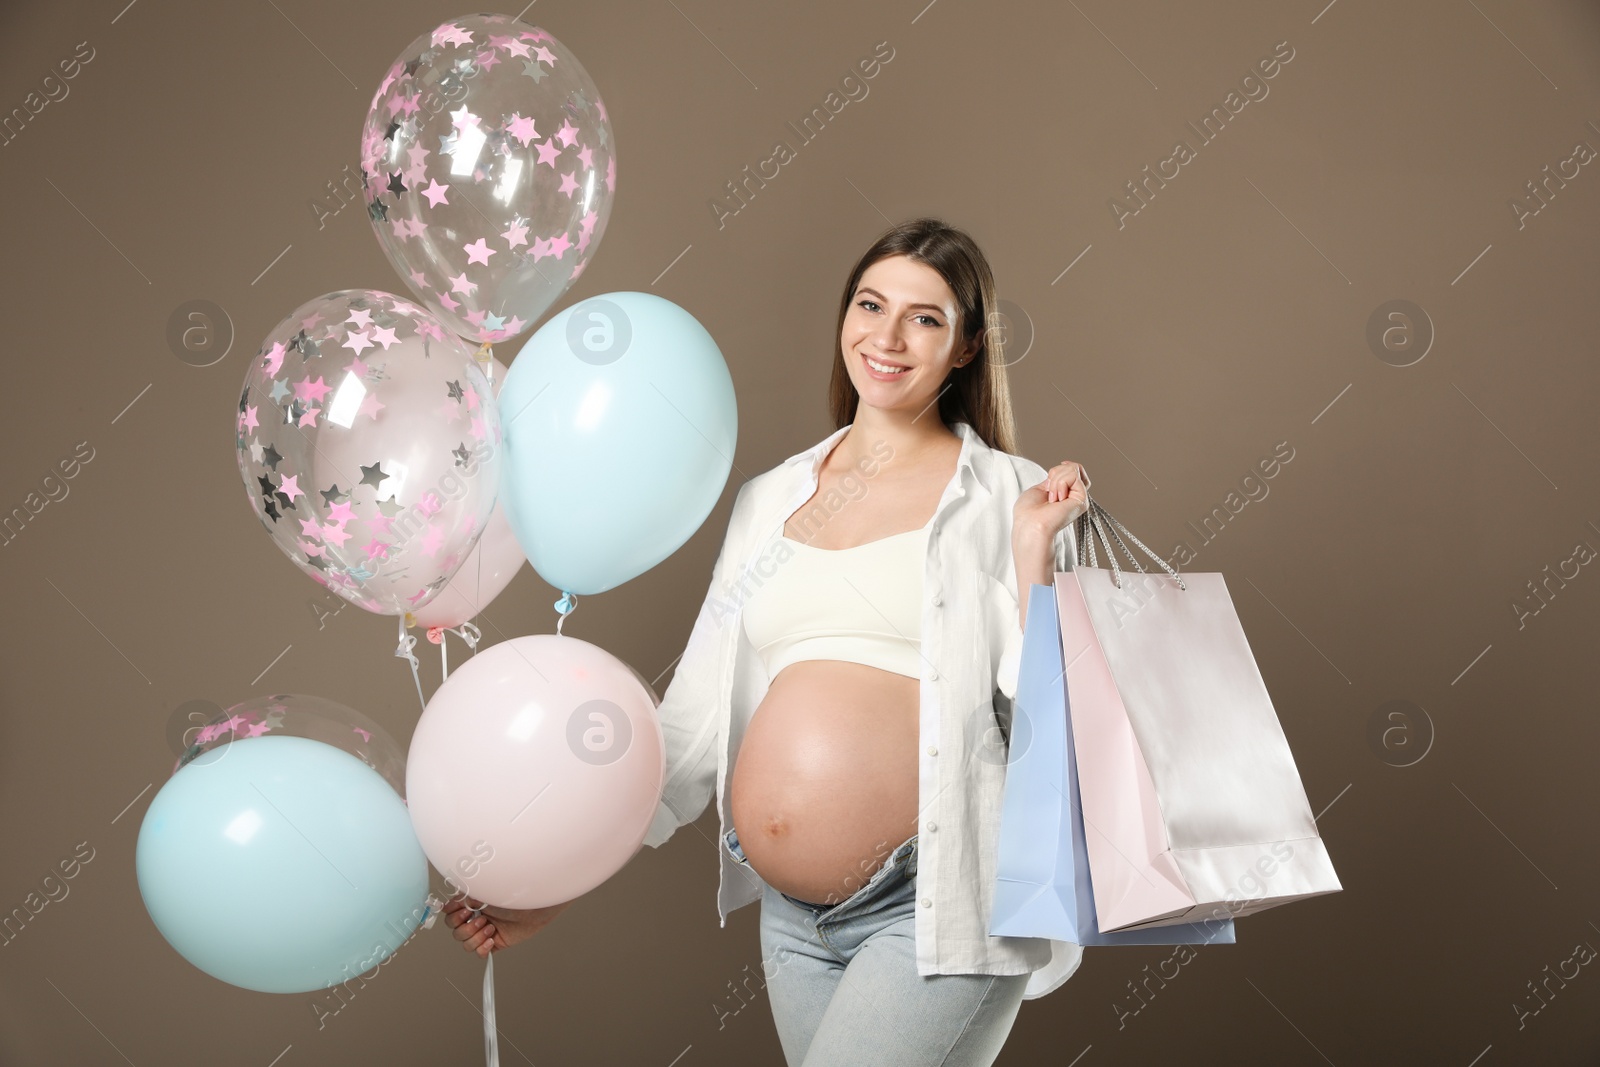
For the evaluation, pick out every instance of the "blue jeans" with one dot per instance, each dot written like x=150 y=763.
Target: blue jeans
x=844 y=986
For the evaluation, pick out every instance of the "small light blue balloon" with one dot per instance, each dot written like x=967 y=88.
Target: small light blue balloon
x=281 y=864
x=620 y=423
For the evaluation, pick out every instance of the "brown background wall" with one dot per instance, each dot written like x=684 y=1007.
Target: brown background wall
x=1230 y=314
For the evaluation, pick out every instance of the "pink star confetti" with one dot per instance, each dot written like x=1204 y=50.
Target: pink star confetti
x=376 y=548
x=247 y=418
x=360 y=316
x=335 y=535
x=371 y=405
x=306 y=389
x=516 y=235
x=545 y=55
x=291 y=487
x=568 y=133
x=341 y=512
x=569 y=185
x=273 y=359
x=459 y=284
x=549 y=153
x=586 y=154
x=309 y=418
x=358 y=341
x=522 y=129
x=384 y=335
x=450 y=33
x=478 y=252
x=435 y=193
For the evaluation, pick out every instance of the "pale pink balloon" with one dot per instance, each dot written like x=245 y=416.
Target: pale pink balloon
x=535 y=771
x=493 y=562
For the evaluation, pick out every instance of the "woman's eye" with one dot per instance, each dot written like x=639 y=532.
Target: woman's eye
x=868 y=304
x=931 y=320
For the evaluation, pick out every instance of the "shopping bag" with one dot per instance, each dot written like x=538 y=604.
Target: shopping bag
x=1191 y=799
x=1043 y=885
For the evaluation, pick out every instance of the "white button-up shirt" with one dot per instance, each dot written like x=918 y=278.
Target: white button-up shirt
x=971 y=647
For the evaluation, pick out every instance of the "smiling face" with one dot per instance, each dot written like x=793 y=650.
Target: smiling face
x=904 y=317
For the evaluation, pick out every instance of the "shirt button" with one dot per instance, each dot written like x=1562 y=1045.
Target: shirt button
x=936 y=600
x=933 y=676
x=933 y=750
x=932 y=826
x=927 y=902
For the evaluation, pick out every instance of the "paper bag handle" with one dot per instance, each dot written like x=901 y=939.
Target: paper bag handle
x=1096 y=519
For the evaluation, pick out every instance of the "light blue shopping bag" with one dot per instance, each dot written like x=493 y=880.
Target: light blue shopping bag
x=1043 y=887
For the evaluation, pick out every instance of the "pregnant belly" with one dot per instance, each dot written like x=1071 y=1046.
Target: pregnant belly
x=825 y=784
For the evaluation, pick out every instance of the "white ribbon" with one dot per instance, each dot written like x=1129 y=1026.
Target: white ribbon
x=491 y=1036
x=403 y=651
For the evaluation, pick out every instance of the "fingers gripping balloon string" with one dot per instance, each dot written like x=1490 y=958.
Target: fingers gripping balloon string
x=566 y=606
x=403 y=651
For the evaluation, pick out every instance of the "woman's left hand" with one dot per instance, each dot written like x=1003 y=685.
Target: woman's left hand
x=1058 y=500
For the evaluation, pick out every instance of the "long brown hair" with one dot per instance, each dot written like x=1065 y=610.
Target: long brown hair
x=978 y=392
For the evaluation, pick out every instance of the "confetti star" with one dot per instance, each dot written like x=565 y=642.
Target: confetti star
x=435 y=194
x=549 y=153
x=417 y=154
x=248 y=419
x=569 y=184
x=432 y=540
x=271 y=509
x=487 y=60
x=447 y=302
x=462 y=117
x=332 y=495
x=290 y=487
x=478 y=252
x=587 y=155
x=309 y=417
x=450 y=33
x=568 y=133
x=522 y=129
x=394 y=128
x=559 y=246
x=360 y=317
x=378 y=211
x=310 y=323
x=493 y=322
x=544 y=55
x=341 y=512
x=515 y=326
x=419 y=279
x=375 y=548
x=454 y=388
x=396 y=186
x=516 y=235
x=533 y=70
x=459 y=284
x=270 y=457
x=476 y=428
x=308 y=390
x=373 y=475
x=280 y=389
x=358 y=341
x=255 y=452
x=267 y=488
x=384 y=335
x=518 y=49
x=310 y=528
x=371 y=405
x=357 y=367
x=273 y=359
x=335 y=535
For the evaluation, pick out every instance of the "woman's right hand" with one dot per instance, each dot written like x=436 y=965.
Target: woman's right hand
x=494 y=927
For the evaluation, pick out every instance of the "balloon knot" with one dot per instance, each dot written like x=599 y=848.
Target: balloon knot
x=436 y=634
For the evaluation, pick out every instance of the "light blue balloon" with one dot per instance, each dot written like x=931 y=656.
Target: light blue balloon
x=620 y=423
x=281 y=864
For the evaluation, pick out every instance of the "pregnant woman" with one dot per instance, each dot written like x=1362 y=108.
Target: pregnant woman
x=839 y=688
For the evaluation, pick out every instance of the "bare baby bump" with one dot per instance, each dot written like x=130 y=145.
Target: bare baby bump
x=825 y=783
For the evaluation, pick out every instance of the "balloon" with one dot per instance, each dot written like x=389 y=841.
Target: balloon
x=493 y=562
x=369 y=443
x=535 y=770
x=300 y=715
x=620 y=424
x=489 y=167
x=286 y=867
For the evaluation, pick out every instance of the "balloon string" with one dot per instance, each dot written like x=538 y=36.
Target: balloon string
x=491 y=1036
x=403 y=651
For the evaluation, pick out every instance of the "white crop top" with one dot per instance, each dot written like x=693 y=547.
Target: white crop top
x=861 y=604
